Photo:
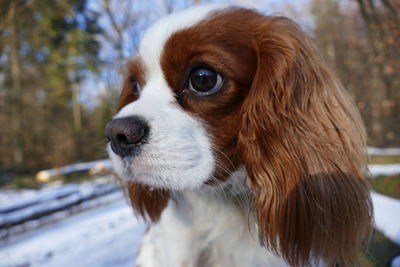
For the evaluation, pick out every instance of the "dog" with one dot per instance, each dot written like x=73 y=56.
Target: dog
x=238 y=143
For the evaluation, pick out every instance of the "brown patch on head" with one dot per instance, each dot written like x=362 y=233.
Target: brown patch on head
x=136 y=70
x=221 y=43
x=284 y=115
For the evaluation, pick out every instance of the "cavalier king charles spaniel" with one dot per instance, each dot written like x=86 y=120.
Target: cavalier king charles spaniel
x=240 y=145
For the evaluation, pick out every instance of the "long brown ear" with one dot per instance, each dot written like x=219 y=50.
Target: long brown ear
x=303 y=144
x=147 y=202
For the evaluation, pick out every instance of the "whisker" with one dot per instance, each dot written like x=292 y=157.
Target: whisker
x=223 y=154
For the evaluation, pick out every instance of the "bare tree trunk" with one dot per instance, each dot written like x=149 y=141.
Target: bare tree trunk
x=378 y=21
x=76 y=106
x=118 y=28
x=16 y=94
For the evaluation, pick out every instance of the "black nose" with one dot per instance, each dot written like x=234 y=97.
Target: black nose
x=126 y=134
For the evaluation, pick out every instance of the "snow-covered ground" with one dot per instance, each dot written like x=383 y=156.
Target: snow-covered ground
x=105 y=232
x=110 y=235
x=387 y=216
x=377 y=151
x=23 y=210
x=93 y=167
x=103 y=237
x=384 y=169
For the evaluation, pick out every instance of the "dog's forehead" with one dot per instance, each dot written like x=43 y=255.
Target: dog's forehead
x=152 y=44
x=156 y=93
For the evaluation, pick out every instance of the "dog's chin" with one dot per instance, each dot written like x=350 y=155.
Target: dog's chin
x=136 y=169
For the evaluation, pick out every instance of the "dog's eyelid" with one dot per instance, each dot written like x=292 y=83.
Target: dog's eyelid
x=136 y=88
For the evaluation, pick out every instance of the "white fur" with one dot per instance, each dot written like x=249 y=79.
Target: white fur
x=178 y=152
x=155 y=37
x=178 y=156
x=212 y=224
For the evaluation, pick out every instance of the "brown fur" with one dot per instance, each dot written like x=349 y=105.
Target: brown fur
x=303 y=146
x=285 y=116
x=135 y=70
x=149 y=203
x=229 y=53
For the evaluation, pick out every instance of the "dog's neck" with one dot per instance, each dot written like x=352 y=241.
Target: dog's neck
x=213 y=211
x=234 y=190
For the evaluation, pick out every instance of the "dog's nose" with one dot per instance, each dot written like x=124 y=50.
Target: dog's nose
x=126 y=134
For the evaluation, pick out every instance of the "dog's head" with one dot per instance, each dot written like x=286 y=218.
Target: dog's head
x=213 y=89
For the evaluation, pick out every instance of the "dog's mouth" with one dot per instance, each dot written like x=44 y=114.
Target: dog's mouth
x=132 y=165
x=180 y=172
x=138 y=165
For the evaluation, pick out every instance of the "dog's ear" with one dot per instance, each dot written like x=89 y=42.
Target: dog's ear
x=146 y=201
x=303 y=144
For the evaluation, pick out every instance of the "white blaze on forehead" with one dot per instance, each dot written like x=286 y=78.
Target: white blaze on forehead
x=153 y=41
x=178 y=153
x=154 y=98
x=156 y=91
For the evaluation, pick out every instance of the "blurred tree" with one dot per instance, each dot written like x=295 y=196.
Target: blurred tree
x=121 y=18
x=16 y=84
x=51 y=47
x=50 y=52
x=367 y=62
x=382 y=20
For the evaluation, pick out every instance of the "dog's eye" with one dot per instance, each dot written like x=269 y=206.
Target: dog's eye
x=204 y=81
x=135 y=87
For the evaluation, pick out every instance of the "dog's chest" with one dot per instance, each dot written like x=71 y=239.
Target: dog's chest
x=200 y=229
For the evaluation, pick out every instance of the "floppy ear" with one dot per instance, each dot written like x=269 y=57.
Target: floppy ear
x=303 y=144
x=147 y=202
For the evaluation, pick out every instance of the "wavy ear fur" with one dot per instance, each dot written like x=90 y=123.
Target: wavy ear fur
x=303 y=144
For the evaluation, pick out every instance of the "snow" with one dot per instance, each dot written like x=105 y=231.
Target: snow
x=377 y=151
x=49 y=200
x=384 y=169
x=106 y=236
x=387 y=216
x=42 y=195
x=103 y=231
x=93 y=166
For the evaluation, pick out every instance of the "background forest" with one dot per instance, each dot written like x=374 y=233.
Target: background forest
x=61 y=65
